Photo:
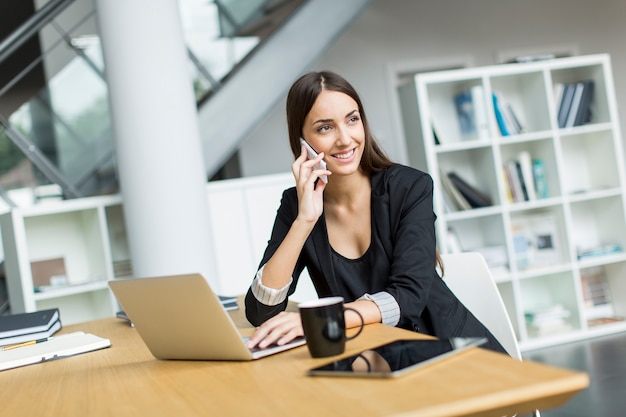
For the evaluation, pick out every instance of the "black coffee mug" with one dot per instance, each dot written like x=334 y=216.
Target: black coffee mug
x=325 y=327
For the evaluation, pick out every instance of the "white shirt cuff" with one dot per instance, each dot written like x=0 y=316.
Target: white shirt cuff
x=266 y=295
x=388 y=306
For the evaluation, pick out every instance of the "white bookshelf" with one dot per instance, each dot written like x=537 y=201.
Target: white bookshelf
x=90 y=235
x=77 y=231
x=584 y=172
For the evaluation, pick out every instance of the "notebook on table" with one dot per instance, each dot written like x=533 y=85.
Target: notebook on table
x=53 y=348
x=180 y=317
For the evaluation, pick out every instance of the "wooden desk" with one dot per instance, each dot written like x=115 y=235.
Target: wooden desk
x=126 y=380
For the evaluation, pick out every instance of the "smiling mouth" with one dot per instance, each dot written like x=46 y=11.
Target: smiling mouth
x=345 y=155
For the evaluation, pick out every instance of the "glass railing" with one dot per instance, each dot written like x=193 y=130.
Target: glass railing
x=56 y=140
x=62 y=126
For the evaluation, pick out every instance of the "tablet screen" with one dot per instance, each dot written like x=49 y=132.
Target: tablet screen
x=396 y=358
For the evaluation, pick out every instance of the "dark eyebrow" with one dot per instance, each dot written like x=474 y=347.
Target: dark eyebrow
x=322 y=121
x=330 y=120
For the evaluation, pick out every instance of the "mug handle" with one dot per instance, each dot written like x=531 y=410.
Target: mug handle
x=360 y=327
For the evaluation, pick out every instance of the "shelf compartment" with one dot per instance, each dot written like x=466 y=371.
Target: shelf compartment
x=599 y=102
x=118 y=241
x=599 y=224
x=538 y=239
x=550 y=305
x=75 y=236
x=544 y=177
x=475 y=167
x=444 y=115
x=603 y=290
x=81 y=306
x=589 y=162
x=483 y=234
x=526 y=94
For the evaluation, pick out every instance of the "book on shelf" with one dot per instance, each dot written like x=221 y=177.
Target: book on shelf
x=551 y=320
x=546 y=316
x=122 y=268
x=559 y=89
x=507 y=185
x=574 y=103
x=497 y=109
x=480 y=112
x=438 y=135
x=583 y=112
x=474 y=197
x=595 y=286
x=526 y=168
x=455 y=199
x=539 y=178
x=597 y=250
x=565 y=103
x=514 y=181
x=27 y=327
x=507 y=118
x=522 y=183
x=514 y=120
x=471 y=112
x=596 y=293
x=525 y=178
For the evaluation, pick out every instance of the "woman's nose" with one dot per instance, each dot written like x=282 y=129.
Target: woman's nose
x=343 y=136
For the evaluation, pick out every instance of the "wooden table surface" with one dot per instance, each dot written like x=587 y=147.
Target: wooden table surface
x=126 y=380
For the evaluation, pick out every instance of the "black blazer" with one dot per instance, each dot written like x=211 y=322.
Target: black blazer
x=404 y=230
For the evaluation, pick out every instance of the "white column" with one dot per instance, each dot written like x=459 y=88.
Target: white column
x=157 y=138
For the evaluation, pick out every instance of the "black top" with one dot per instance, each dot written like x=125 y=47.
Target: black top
x=401 y=259
x=352 y=274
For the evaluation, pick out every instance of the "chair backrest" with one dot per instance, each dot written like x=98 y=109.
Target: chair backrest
x=468 y=276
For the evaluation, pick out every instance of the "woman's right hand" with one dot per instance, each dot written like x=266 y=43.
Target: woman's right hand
x=310 y=194
x=280 y=329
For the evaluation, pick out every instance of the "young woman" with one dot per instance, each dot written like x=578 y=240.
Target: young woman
x=368 y=234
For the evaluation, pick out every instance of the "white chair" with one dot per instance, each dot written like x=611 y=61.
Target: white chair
x=468 y=276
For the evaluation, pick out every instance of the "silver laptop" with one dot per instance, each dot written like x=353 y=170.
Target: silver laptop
x=180 y=317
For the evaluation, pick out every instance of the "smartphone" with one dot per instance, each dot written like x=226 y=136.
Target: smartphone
x=312 y=155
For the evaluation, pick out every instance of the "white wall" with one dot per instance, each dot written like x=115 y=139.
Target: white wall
x=397 y=33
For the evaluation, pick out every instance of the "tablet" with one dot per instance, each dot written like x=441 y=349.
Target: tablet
x=396 y=358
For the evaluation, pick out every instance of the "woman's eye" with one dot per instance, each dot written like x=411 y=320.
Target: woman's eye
x=324 y=128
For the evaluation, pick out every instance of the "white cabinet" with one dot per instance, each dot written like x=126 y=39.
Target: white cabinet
x=551 y=254
x=77 y=234
x=88 y=237
x=242 y=213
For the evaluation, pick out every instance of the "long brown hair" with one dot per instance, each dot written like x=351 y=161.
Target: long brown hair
x=302 y=96
x=300 y=100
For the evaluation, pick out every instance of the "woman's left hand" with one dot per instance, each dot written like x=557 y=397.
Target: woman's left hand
x=280 y=329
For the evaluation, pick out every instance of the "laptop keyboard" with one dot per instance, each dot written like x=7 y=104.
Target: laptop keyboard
x=273 y=345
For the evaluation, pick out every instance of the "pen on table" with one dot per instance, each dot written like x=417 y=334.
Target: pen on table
x=19 y=345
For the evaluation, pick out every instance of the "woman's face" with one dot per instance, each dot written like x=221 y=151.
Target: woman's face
x=334 y=126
